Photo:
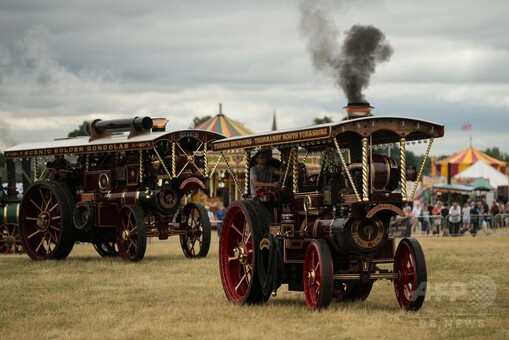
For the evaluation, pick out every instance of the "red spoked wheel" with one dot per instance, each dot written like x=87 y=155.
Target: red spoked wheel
x=46 y=221
x=196 y=242
x=131 y=233
x=106 y=249
x=318 y=275
x=410 y=265
x=238 y=249
x=10 y=242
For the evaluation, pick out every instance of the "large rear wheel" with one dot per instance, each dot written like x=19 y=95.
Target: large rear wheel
x=238 y=248
x=196 y=242
x=46 y=221
x=131 y=233
x=410 y=265
x=318 y=275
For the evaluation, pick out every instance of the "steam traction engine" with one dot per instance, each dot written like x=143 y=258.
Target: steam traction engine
x=326 y=233
x=115 y=190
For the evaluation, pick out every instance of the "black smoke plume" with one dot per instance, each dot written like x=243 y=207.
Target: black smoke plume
x=351 y=64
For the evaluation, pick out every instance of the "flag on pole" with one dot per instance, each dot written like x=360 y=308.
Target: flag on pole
x=466 y=127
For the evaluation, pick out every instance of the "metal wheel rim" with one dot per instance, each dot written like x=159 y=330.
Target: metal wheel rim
x=410 y=266
x=10 y=242
x=317 y=276
x=196 y=242
x=236 y=255
x=43 y=216
x=131 y=235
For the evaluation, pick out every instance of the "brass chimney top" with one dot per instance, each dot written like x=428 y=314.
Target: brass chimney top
x=358 y=110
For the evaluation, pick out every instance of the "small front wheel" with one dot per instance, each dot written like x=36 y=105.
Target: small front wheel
x=10 y=242
x=318 y=275
x=410 y=265
x=131 y=233
x=196 y=241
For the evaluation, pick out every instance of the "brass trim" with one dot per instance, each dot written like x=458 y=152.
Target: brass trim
x=103 y=176
x=421 y=169
x=362 y=243
x=372 y=276
x=403 y=170
x=385 y=206
x=365 y=170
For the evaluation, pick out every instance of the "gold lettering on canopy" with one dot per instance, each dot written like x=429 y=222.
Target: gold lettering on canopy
x=273 y=139
x=79 y=149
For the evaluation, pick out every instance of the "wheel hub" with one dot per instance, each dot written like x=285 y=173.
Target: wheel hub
x=240 y=253
x=43 y=221
x=310 y=275
x=125 y=234
x=9 y=240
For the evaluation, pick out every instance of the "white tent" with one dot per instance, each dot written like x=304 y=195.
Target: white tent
x=482 y=170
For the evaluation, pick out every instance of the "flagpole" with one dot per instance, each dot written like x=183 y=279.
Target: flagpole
x=470 y=130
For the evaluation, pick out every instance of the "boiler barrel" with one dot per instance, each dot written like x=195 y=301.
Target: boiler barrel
x=120 y=125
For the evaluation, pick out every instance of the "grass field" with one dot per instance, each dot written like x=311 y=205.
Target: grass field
x=169 y=296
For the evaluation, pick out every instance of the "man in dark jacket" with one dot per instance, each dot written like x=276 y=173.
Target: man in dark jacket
x=474 y=218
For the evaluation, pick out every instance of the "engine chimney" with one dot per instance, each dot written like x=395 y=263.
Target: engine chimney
x=358 y=110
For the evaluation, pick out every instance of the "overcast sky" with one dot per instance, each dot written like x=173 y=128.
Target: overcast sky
x=63 y=62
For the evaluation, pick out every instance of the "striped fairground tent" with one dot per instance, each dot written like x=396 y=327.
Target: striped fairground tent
x=465 y=158
x=224 y=125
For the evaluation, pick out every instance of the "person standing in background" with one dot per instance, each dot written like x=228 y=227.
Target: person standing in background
x=445 y=212
x=416 y=215
x=474 y=218
x=466 y=217
x=454 y=219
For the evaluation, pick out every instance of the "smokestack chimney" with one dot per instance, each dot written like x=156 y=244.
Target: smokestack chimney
x=358 y=110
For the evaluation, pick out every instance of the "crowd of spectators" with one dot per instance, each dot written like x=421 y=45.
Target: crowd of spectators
x=451 y=219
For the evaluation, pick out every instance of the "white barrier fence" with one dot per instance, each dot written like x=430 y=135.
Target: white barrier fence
x=438 y=225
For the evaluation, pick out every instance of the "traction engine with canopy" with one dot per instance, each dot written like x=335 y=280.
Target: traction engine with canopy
x=327 y=233
x=115 y=190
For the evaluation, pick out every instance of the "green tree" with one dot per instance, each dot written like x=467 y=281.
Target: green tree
x=198 y=120
x=80 y=131
x=324 y=120
x=496 y=153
